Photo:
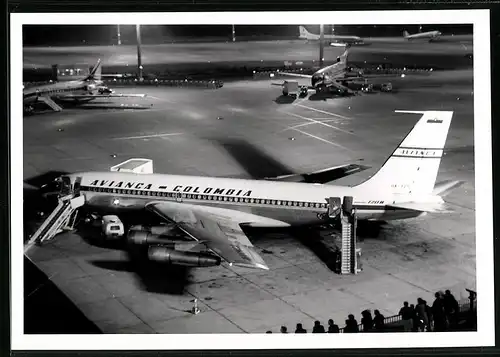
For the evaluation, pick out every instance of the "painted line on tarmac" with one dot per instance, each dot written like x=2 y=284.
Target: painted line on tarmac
x=321 y=123
x=147 y=136
x=161 y=99
x=305 y=124
x=322 y=111
x=321 y=139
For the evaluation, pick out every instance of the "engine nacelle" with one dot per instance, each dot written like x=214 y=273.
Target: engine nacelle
x=168 y=229
x=104 y=90
x=163 y=254
x=90 y=88
x=159 y=235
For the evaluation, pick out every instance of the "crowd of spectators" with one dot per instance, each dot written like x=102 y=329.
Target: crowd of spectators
x=441 y=316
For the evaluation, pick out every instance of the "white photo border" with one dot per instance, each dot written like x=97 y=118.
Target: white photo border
x=485 y=335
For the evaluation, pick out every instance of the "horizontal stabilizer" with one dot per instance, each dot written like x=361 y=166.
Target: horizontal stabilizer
x=432 y=207
x=445 y=187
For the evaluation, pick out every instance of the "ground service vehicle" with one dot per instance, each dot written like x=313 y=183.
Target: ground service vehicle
x=112 y=226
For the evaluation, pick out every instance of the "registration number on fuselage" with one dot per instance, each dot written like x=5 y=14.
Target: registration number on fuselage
x=375 y=202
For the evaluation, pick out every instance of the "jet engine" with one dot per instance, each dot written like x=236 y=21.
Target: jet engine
x=163 y=254
x=147 y=235
x=90 y=88
x=104 y=90
x=165 y=244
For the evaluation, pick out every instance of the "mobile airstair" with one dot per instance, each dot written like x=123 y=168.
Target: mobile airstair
x=62 y=218
x=50 y=103
x=349 y=262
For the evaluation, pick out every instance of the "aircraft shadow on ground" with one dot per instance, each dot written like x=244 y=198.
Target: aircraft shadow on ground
x=256 y=162
x=312 y=239
x=325 y=96
x=284 y=99
x=152 y=276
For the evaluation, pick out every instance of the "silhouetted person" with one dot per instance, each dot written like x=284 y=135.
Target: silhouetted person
x=366 y=321
x=351 y=325
x=406 y=314
x=318 y=327
x=438 y=314
x=423 y=320
x=451 y=307
x=430 y=317
x=300 y=329
x=414 y=318
x=283 y=329
x=332 y=327
x=378 y=321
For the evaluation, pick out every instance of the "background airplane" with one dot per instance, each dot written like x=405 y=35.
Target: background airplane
x=430 y=35
x=352 y=40
x=78 y=91
x=335 y=76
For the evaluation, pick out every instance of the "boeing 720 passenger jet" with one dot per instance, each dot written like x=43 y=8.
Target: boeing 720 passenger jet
x=212 y=210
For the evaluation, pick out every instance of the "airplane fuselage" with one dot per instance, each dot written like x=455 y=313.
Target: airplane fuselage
x=293 y=203
x=430 y=35
x=61 y=90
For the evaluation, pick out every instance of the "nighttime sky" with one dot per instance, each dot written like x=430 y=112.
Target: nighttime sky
x=34 y=35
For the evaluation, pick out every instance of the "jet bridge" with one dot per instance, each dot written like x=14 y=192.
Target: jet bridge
x=64 y=215
x=348 y=261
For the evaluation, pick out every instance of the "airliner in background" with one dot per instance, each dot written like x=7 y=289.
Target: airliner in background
x=335 y=76
x=429 y=35
x=78 y=91
x=213 y=212
x=336 y=39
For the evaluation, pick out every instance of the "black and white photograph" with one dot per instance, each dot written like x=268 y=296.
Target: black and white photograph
x=213 y=174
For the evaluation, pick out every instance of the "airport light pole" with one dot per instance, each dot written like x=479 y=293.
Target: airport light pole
x=119 y=35
x=321 y=44
x=139 y=60
x=233 y=32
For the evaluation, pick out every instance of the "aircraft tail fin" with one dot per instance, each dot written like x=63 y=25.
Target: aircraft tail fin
x=413 y=167
x=343 y=57
x=96 y=71
x=405 y=34
x=303 y=33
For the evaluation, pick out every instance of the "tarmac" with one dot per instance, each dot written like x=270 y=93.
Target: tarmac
x=246 y=129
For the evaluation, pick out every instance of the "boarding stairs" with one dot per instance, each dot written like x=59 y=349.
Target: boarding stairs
x=341 y=210
x=346 y=250
x=50 y=103
x=62 y=218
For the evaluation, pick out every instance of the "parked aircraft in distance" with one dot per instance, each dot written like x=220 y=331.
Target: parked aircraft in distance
x=337 y=39
x=77 y=91
x=430 y=35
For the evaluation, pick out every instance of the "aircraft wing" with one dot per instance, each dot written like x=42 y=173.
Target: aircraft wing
x=322 y=176
x=217 y=228
x=300 y=75
x=90 y=96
